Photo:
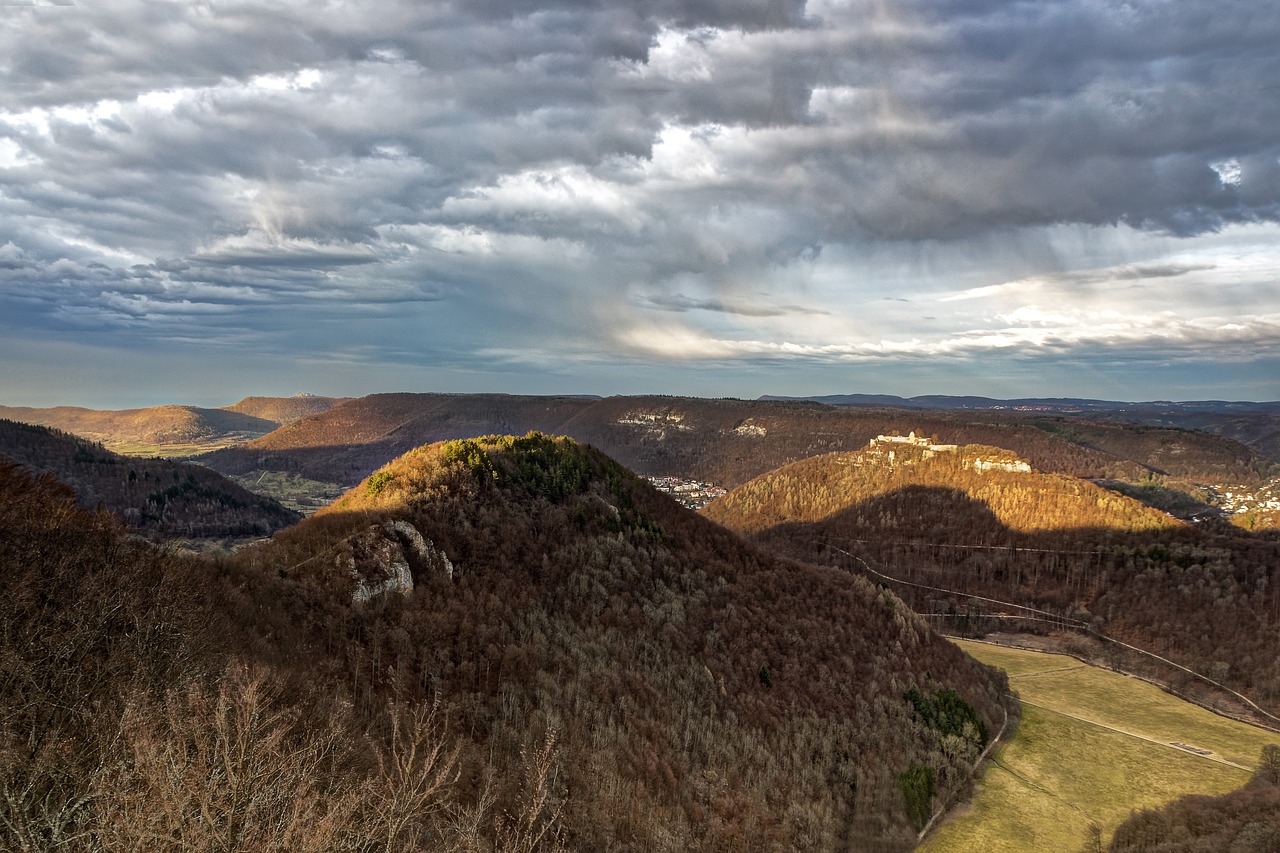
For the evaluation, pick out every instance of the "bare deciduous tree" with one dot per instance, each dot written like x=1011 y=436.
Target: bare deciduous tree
x=221 y=772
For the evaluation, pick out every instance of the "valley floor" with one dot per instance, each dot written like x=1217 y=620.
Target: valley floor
x=1093 y=745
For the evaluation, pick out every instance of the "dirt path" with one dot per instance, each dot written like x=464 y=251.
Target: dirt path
x=1053 y=671
x=1165 y=744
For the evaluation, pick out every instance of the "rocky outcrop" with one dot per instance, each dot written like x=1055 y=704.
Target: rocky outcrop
x=379 y=560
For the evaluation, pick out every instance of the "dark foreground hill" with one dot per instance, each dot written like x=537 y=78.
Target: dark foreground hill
x=153 y=496
x=507 y=644
x=721 y=441
x=982 y=543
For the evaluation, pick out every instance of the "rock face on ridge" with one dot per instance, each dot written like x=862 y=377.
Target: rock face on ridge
x=378 y=559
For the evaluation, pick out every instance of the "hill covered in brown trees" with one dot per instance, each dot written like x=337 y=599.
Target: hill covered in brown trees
x=1016 y=499
x=284 y=410
x=981 y=548
x=498 y=644
x=153 y=496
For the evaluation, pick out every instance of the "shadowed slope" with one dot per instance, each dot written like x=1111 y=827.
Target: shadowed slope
x=154 y=496
x=1244 y=821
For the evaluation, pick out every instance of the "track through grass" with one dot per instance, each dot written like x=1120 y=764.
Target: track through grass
x=1093 y=746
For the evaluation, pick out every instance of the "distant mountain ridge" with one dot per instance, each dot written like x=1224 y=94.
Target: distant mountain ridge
x=722 y=441
x=158 y=427
x=1066 y=404
x=284 y=410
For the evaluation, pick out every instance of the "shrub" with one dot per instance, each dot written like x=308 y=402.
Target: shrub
x=378 y=482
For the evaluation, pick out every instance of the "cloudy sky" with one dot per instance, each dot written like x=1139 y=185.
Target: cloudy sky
x=201 y=200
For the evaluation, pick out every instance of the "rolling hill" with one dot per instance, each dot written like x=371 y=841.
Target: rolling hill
x=147 y=429
x=504 y=644
x=892 y=477
x=174 y=430
x=688 y=660
x=284 y=410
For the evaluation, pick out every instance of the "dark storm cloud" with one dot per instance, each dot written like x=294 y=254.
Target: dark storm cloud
x=556 y=175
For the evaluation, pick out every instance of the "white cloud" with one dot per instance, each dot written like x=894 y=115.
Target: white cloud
x=262 y=249
x=1228 y=172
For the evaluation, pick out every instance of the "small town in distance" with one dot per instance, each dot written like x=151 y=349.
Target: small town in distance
x=691 y=493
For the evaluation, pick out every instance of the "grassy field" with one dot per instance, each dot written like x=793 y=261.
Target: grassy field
x=1093 y=746
x=294 y=491
x=168 y=451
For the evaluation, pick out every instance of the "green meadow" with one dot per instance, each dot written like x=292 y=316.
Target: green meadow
x=1093 y=746
x=293 y=490
x=127 y=447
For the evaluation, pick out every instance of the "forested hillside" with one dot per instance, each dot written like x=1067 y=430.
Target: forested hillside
x=284 y=410
x=720 y=441
x=911 y=491
x=153 y=496
x=504 y=644
x=1085 y=559
x=701 y=674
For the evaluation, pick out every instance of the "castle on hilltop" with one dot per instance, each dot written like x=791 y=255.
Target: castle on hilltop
x=885 y=445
